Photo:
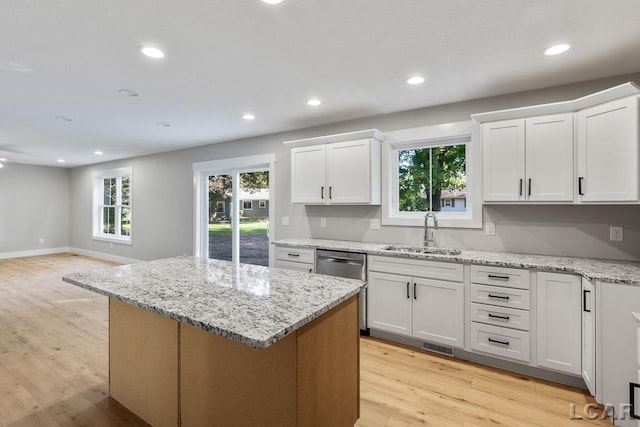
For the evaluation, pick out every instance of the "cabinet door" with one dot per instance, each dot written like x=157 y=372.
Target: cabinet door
x=438 y=311
x=608 y=152
x=349 y=172
x=389 y=303
x=559 y=322
x=503 y=161
x=308 y=175
x=549 y=158
x=589 y=336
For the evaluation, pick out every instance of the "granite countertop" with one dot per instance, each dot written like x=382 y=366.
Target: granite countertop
x=625 y=272
x=250 y=304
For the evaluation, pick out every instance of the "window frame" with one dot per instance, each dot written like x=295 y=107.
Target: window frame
x=444 y=134
x=262 y=204
x=220 y=203
x=98 y=178
x=250 y=204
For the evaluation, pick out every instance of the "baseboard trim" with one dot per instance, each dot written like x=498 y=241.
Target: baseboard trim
x=105 y=256
x=33 y=252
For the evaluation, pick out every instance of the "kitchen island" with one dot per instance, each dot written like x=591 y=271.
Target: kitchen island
x=195 y=341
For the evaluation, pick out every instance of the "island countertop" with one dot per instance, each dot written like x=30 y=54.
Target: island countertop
x=253 y=305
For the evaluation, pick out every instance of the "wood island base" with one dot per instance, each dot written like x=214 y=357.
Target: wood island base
x=173 y=374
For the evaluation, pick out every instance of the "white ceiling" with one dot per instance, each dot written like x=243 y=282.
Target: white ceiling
x=228 y=57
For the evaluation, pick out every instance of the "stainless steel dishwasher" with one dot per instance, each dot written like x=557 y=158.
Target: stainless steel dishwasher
x=351 y=265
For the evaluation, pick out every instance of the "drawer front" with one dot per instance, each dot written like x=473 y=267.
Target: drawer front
x=297 y=266
x=503 y=342
x=502 y=297
x=500 y=316
x=415 y=267
x=500 y=276
x=296 y=254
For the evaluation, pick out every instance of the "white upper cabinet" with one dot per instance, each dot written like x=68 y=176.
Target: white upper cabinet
x=308 y=174
x=549 y=158
x=529 y=159
x=579 y=151
x=345 y=172
x=503 y=160
x=607 y=148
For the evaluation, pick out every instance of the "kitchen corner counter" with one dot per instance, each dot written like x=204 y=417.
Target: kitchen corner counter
x=253 y=305
x=611 y=271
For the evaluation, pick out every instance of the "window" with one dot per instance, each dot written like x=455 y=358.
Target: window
x=262 y=204
x=220 y=206
x=427 y=169
x=247 y=205
x=112 y=205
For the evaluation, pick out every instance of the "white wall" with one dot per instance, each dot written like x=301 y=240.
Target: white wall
x=163 y=205
x=34 y=204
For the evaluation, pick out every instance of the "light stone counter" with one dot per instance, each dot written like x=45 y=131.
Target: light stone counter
x=253 y=305
x=624 y=272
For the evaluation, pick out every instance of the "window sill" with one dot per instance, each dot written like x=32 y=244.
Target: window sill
x=446 y=221
x=113 y=239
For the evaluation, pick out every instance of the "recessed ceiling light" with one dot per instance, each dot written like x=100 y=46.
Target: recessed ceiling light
x=152 y=52
x=64 y=118
x=415 y=80
x=164 y=124
x=314 y=102
x=249 y=117
x=60 y=160
x=557 y=49
x=128 y=92
x=98 y=153
x=272 y=1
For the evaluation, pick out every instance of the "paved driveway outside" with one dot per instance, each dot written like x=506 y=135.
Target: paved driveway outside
x=253 y=249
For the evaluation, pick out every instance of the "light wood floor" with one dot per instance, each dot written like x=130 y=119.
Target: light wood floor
x=54 y=367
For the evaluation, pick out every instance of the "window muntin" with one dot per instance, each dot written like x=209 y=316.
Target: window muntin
x=112 y=205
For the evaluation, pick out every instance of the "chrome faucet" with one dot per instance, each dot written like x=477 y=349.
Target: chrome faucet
x=429 y=238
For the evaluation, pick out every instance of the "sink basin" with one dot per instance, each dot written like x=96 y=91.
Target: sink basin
x=422 y=250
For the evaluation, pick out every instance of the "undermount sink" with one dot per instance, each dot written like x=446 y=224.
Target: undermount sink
x=422 y=250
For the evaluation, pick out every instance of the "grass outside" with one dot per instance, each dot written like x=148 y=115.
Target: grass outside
x=246 y=228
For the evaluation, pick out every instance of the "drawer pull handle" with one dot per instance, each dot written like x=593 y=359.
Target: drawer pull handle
x=415 y=291
x=498 y=297
x=295 y=255
x=499 y=342
x=408 y=295
x=498 y=277
x=632 y=399
x=584 y=300
x=495 y=316
x=322 y=193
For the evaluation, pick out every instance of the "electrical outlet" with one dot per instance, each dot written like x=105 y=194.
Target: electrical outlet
x=616 y=234
x=490 y=228
x=41 y=240
x=285 y=220
x=374 y=224
x=323 y=222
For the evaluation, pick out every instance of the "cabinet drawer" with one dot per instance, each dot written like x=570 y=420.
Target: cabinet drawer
x=503 y=297
x=500 y=341
x=297 y=266
x=500 y=276
x=500 y=316
x=415 y=267
x=296 y=254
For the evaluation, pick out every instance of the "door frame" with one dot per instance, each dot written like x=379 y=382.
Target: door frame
x=232 y=166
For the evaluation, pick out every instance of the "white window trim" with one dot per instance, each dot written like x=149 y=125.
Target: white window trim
x=407 y=138
x=98 y=188
x=262 y=204
x=250 y=204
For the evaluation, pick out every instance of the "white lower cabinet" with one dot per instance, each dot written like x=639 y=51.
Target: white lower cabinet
x=298 y=259
x=589 y=336
x=500 y=341
x=559 y=325
x=417 y=306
